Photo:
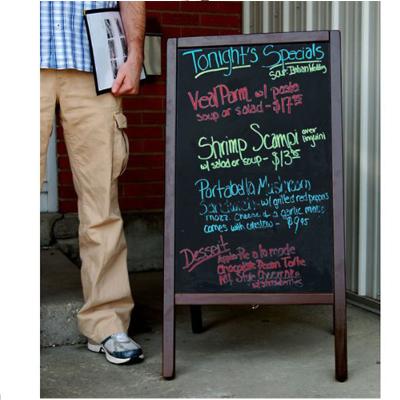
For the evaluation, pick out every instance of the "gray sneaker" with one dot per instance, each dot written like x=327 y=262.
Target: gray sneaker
x=118 y=348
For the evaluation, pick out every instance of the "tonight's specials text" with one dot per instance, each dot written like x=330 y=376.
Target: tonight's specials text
x=270 y=200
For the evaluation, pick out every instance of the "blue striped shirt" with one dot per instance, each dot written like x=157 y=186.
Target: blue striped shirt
x=63 y=40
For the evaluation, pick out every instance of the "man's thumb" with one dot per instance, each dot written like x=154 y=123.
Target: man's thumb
x=118 y=82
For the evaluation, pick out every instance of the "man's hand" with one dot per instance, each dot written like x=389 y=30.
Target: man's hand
x=128 y=77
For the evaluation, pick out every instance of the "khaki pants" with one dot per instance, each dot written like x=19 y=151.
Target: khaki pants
x=98 y=152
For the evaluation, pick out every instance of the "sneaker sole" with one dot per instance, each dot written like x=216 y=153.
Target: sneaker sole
x=98 y=348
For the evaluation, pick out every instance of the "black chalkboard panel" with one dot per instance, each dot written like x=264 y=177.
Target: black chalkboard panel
x=253 y=169
x=254 y=182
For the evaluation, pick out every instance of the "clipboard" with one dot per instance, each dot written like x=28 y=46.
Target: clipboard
x=108 y=46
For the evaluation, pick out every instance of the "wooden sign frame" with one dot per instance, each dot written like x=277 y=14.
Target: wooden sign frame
x=338 y=296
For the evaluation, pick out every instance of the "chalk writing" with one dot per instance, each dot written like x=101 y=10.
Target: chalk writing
x=218 y=96
x=193 y=258
x=206 y=61
x=310 y=67
x=258 y=268
x=275 y=57
x=220 y=148
x=312 y=136
x=213 y=105
x=253 y=196
x=293 y=205
x=229 y=59
x=281 y=148
x=249 y=187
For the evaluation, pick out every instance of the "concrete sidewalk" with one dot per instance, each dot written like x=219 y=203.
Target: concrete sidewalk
x=273 y=351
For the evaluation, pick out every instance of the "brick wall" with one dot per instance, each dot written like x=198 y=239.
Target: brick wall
x=142 y=185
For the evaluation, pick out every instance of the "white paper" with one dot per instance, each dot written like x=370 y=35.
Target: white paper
x=109 y=46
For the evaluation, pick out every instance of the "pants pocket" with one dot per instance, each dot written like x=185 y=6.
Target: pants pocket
x=121 y=145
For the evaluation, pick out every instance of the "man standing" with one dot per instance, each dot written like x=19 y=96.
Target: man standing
x=98 y=152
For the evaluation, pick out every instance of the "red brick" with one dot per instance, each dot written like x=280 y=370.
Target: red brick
x=143 y=103
x=143 y=189
x=163 y=5
x=67 y=206
x=65 y=177
x=154 y=89
x=63 y=162
x=144 y=203
x=61 y=147
x=199 y=31
x=153 y=14
x=169 y=32
x=142 y=175
x=145 y=131
x=154 y=146
x=153 y=24
x=146 y=146
x=66 y=192
x=59 y=130
x=153 y=118
x=196 y=6
x=228 y=7
x=180 y=19
x=147 y=160
x=134 y=118
x=220 y=20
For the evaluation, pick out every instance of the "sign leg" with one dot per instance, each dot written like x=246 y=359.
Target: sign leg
x=338 y=211
x=340 y=340
x=168 y=356
x=195 y=315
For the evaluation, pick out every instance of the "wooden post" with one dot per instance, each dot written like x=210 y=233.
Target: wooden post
x=168 y=368
x=339 y=306
x=168 y=354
